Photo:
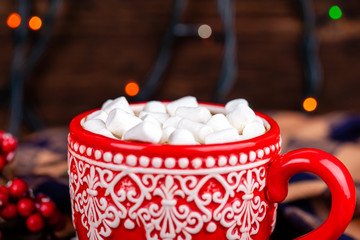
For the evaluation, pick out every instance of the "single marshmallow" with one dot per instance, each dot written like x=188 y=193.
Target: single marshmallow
x=218 y=122
x=106 y=103
x=166 y=132
x=120 y=121
x=233 y=104
x=105 y=132
x=155 y=106
x=144 y=132
x=149 y=118
x=119 y=102
x=181 y=137
x=253 y=129
x=187 y=101
x=196 y=114
x=161 y=117
x=93 y=124
x=172 y=122
x=97 y=126
x=240 y=116
x=223 y=136
x=100 y=114
x=263 y=122
x=199 y=130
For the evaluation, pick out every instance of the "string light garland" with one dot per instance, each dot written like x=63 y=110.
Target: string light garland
x=204 y=31
x=310 y=104
x=132 y=88
x=35 y=23
x=335 y=12
x=14 y=20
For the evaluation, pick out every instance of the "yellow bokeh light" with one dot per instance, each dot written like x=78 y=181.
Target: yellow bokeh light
x=310 y=104
x=14 y=20
x=35 y=23
x=204 y=31
x=132 y=89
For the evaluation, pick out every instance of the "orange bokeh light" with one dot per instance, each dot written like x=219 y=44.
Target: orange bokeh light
x=35 y=23
x=14 y=20
x=310 y=104
x=132 y=89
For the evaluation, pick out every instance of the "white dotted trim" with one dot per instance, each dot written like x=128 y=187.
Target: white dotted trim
x=131 y=160
x=144 y=161
x=108 y=157
x=170 y=162
x=210 y=162
x=174 y=163
x=183 y=162
x=196 y=163
x=118 y=158
x=222 y=161
x=97 y=154
x=156 y=162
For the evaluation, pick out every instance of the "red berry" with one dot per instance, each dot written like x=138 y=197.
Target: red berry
x=4 y=195
x=35 y=222
x=2 y=162
x=47 y=209
x=9 y=143
x=8 y=211
x=40 y=197
x=25 y=207
x=9 y=156
x=18 y=188
x=56 y=222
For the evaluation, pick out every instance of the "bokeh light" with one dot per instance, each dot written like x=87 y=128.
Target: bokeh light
x=35 y=23
x=14 y=20
x=310 y=104
x=204 y=31
x=335 y=12
x=132 y=88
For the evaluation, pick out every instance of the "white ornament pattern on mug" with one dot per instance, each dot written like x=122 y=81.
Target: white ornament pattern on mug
x=168 y=194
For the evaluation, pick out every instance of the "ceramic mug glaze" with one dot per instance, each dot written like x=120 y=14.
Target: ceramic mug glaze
x=128 y=190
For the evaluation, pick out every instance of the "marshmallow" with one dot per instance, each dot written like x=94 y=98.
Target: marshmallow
x=218 y=122
x=120 y=121
x=149 y=118
x=172 y=122
x=240 y=116
x=233 y=104
x=166 y=132
x=223 y=136
x=253 y=129
x=182 y=137
x=105 y=132
x=155 y=106
x=262 y=121
x=161 y=117
x=196 y=114
x=93 y=124
x=119 y=102
x=97 y=126
x=199 y=130
x=100 y=114
x=187 y=101
x=144 y=132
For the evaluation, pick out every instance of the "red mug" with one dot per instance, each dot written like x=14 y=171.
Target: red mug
x=131 y=190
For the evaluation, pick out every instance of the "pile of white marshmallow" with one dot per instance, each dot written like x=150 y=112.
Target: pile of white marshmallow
x=181 y=122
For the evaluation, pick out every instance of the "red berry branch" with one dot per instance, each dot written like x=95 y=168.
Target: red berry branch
x=17 y=200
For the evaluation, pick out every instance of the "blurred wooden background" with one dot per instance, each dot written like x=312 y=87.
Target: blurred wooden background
x=97 y=46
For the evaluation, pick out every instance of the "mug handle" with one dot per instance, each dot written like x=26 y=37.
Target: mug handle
x=331 y=171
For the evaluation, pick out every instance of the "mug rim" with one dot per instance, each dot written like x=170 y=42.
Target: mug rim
x=88 y=138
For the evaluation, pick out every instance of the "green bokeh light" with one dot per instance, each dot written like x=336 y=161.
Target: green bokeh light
x=335 y=12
